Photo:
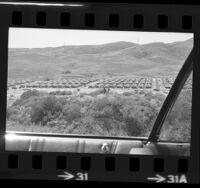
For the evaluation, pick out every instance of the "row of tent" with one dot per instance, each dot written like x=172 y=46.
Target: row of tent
x=120 y=86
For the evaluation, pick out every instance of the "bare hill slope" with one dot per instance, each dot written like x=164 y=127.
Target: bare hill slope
x=151 y=59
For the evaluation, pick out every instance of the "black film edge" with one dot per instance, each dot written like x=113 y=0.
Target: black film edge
x=85 y=87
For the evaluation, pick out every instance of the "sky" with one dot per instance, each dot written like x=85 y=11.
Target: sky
x=39 y=38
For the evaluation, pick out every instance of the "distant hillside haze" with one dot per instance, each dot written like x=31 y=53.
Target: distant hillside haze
x=152 y=59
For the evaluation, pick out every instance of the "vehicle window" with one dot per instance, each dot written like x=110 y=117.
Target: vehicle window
x=177 y=125
x=99 y=83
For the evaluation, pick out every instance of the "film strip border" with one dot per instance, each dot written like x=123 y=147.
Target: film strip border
x=84 y=167
x=103 y=16
x=61 y=166
x=113 y=20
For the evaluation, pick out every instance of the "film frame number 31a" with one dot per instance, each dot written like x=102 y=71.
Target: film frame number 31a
x=96 y=88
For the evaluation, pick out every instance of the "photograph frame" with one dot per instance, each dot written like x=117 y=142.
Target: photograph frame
x=176 y=24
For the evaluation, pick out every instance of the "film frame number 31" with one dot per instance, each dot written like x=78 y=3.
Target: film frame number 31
x=29 y=155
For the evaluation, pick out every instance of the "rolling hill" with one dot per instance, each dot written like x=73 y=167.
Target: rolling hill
x=153 y=59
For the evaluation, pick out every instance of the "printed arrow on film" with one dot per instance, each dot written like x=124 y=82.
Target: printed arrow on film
x=66 y=176
x=157 y=179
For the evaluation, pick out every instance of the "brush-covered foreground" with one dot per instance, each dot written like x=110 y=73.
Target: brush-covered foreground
x=110 y=114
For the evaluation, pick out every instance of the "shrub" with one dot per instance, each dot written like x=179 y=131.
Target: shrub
x=29 y=94
x=47 y=78
x=19 y=114
x=52 y=93
x=66 y=72
x=178 y=122
x=159 y=96
x=11 y=111
x=142 y=92
x=67 y=93
x=46 y=109
x=72 y=112
x=128 y=93
x=110 y=115
x=149 y=95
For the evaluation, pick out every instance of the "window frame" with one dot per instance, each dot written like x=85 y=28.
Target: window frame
x=171 y=98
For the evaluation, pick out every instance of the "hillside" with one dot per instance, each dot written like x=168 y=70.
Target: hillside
x=151 y=59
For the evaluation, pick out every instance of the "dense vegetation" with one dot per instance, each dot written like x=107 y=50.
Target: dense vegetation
x=110 y=114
